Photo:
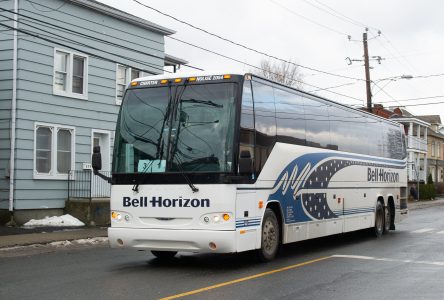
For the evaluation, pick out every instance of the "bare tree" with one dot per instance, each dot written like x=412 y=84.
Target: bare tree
x=285 y=73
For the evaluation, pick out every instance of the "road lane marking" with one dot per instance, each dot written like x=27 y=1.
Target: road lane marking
x=424 y=262
x=423 y=230
x=219 y=285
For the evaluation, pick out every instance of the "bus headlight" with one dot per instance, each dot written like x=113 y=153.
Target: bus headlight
x=118 y=216
x=216 y=218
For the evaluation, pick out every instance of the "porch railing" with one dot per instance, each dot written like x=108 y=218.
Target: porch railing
x=83 y=184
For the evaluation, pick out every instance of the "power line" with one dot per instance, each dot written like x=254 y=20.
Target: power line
x=241 y=45
x=334 y=14
x=333 y=87
x=36 y=35
x=256 y=67
x=423 y=104
x=307 y=19
x=49 y=10
x=413 y=99
x=39 y=22
x=93 y=22
x=213 y=52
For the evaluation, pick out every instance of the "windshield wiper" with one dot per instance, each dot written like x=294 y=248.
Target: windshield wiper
x=182 y=172
x=159 y=144
x=173 y=149
x=207 y=102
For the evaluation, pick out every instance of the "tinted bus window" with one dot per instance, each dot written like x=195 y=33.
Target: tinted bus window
x=247 y=121
x=290 y=119
x=393 y=138
x=317 y=129
x=346 y=128
x=265 y=123
x=374 y=132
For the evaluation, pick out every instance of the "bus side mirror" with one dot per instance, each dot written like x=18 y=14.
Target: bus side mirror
x=245 y=163
x=96 y=160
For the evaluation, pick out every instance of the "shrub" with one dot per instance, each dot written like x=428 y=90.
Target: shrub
x=427 y=191
x=430 y=179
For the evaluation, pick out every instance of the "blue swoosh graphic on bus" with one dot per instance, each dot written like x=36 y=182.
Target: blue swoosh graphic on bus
x=314 y=171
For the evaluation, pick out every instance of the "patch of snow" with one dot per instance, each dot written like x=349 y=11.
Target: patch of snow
x=62 y=221
x=60 y=244
x=93 y=241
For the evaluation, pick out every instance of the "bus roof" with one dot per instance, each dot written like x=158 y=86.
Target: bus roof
x=183 y=75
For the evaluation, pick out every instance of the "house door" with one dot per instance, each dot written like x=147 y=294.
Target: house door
x=99 y=187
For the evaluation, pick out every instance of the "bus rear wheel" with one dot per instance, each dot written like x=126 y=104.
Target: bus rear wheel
x=269 y=236
x=387 y=218
x=379 y=219
x=164 y=254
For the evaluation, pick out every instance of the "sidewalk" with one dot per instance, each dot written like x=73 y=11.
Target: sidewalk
x=412 y=205
x=22 y=238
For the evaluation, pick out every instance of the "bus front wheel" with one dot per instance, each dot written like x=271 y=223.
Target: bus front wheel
x=269 y=236
x=164 y=254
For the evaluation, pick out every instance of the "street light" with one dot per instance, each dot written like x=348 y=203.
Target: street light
x=390 y=80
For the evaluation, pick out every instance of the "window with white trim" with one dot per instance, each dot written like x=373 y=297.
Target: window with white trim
x=124 y=75
x=70 y=74
x=54 y=151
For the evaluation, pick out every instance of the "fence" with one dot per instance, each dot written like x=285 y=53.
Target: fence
x=83 y=184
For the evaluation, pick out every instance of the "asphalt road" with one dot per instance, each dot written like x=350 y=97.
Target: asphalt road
x=405 y=264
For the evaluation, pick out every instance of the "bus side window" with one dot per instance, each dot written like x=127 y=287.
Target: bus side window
x=375 y=130
x=317 y=129
x=290 y=119
x=246 y=142
x=265 y=123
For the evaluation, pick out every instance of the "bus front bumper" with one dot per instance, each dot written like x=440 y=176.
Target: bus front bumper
x=201 y=241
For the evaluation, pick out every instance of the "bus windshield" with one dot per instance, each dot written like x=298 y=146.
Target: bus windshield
x=176 y=128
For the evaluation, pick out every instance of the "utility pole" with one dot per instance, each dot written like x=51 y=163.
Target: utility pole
x=367 y=73
x=366 y=61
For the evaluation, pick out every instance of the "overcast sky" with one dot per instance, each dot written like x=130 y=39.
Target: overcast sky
x=310 y=33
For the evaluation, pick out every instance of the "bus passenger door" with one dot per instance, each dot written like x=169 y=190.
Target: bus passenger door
x=248 y=220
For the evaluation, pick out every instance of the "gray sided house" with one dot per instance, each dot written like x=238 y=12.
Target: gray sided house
x=64 y=66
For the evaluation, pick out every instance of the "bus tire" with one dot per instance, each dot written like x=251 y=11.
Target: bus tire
x=379 y=219
x=269 y=236
x=164 y=254
x=387 y=218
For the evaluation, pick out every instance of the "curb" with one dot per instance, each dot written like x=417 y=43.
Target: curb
x=49 y=237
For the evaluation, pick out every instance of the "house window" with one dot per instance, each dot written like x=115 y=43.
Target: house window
x=433 y=148
x=54 y=151
x=70 y=74
x=124 y=75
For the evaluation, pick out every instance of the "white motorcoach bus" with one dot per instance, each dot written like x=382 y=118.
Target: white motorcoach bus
x=232 y=163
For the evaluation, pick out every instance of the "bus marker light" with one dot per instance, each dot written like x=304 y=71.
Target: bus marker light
x=261 y=204
x=192 y=79
x=226 y=217
x=216 y=219
x=163 y=81
x=212 y=246
x=242 y=231
x=177 y=80
x=227 y=76
x=116 y=216
x=134 y=83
